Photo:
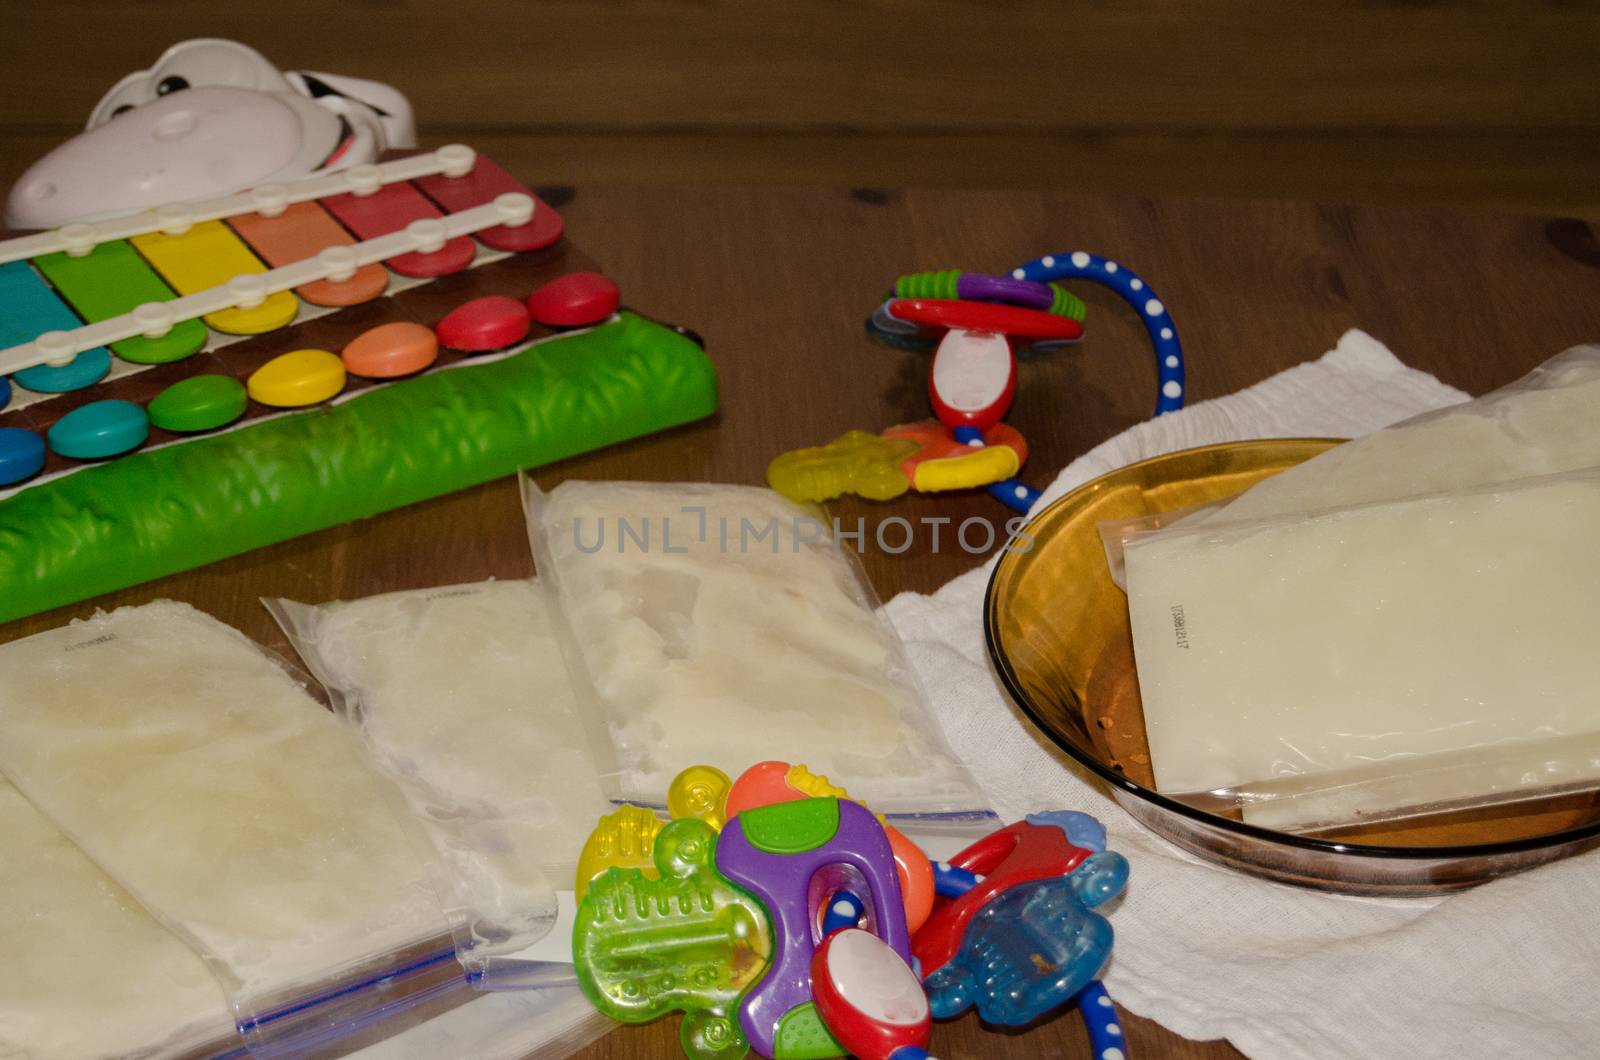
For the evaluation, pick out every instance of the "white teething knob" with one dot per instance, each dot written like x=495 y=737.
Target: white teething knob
x=78 y=239
x=175 y=218
x=427 y=235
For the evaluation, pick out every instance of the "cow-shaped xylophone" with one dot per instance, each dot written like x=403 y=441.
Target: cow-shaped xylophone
x=209 y=117
x=128 y=449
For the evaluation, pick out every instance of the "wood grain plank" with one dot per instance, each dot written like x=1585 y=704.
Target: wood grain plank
x=1550 y=173
x=822 y=66
x=1547 y=173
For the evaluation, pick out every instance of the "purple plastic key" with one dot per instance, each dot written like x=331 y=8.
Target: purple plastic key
x=793 y=856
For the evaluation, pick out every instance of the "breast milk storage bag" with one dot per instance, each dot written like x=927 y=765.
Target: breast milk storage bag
x=461 y=695
x=723 y=625
x=196 y=772
x=1376 y=661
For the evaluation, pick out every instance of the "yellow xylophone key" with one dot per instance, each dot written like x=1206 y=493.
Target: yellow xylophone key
x=209 y=255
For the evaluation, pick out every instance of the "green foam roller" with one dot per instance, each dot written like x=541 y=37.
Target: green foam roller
x=168 y=509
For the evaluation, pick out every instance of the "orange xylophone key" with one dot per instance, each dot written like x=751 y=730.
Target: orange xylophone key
x=299 y=233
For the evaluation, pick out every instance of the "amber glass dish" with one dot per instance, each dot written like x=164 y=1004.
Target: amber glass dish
x=1057 y=630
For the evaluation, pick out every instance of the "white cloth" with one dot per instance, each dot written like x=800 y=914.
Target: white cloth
x=1509 y=969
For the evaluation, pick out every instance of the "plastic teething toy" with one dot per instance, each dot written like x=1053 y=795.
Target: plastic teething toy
x=793 y=917
x=869 y=999
x=625 y=838
x=1013 y=855
x=791 y=856
x=700 y=792
x=972 y=380
x=770 y=783
x=690 y=940
x=1120 y=280
x=1032 y=948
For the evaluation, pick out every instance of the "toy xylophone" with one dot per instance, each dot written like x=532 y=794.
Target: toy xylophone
x=149 y=286
x=137 y=336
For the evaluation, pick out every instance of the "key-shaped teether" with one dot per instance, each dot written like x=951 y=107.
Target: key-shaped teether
x=1013 y=855
x=792 y=856
x=1032 y=948
x=690 y=941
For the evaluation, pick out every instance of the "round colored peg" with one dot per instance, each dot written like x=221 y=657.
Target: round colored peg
x=390 y=351
x=297 y=379
x=99 y=429
x=21 y=455
x=86 y=369
x=490 y=323
x=199 y=403
x=575 y=300
x=5 y=391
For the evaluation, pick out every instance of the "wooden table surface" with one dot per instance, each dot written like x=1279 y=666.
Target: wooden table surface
x=778 y=282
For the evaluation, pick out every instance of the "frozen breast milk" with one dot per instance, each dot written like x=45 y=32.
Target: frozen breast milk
x=1542 y=424
x=1365 y=662
x=86 y=972
x=462 y=696
x=193 y=770
x=721 y=625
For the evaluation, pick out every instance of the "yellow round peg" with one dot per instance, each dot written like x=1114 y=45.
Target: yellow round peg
x=297 y=379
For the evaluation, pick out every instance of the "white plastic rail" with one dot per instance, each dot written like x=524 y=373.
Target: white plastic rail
x=269 y=200
x=154 y=319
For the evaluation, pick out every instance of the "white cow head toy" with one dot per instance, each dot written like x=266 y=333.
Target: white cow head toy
x=210 y=118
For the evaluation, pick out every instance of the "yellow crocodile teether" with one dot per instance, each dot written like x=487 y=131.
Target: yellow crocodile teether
x=624 y=839
x=921 y=456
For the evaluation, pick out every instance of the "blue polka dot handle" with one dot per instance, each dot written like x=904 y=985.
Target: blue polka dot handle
x=1081 y=265
x=1100 y=1017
